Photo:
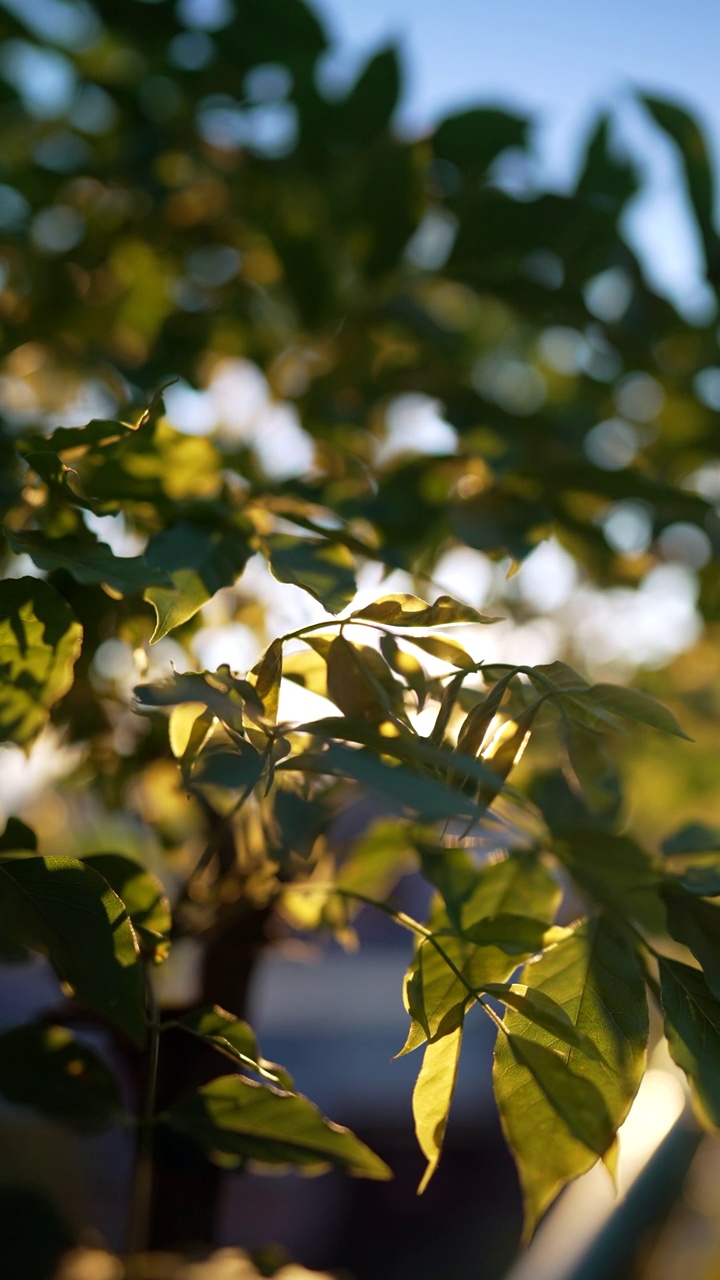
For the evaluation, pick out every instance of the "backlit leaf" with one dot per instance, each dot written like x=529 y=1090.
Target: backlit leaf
x=199 y=561
x=411 y=611
x=233 y=1038
x=559 y=1107
x=39 y=645
x=89 y=561
x=258 y=1122
x=68 y=910
x=432 y=1096
x=143 y=895
x=326 y=570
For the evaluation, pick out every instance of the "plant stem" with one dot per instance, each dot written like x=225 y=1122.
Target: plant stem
x=142 y=1184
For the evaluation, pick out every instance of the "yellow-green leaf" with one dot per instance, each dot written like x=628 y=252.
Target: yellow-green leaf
x=432 y=1096
x=39 y=645
x=560 y=1107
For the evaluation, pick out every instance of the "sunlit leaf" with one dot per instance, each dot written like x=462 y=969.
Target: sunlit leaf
x=68 y=910
x=39 y=645
x=538 y=1007
x=360 y=682
x=258 y=1122
x=432 y=1096
x=411 y=611
x=560 y=1107
x=233 y=1038
x=143 y=895
x=220 y=691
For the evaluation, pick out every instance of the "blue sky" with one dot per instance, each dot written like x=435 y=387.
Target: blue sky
x=562 y=59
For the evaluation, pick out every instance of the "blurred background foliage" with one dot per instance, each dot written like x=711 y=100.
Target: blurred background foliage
x=406 y=343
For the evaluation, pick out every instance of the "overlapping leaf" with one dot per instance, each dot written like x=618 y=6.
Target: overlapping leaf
x=559 y=1106
x=39 y=645
x=258 y=1122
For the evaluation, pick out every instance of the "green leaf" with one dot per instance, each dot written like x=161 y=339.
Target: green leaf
x=64 y=908
x=199 y=561
x=696 y=924
x=445 y=649
x=473 y=139
x=519 y=885
x=258 y=1122
x=432 y=1096
x=265 y=679
x=17 y=835
x=326 y=570
x=230 y=769
x=573 y=1098
x=48 y=1069
x=233 y=1038
x=595 y=772
x=701 y=881
x=410 y=611
x=411 y=791
x=89 y=561
x=696 y=837
x=685 y=132
x=543 y=1011
x=143 y=895
x=220 y=691
x=616 y=871
x=631 y=704
x=692 y=1027
x=406 y=666
x=375 y=862
x=555 y=1126
x=39 y=645
x=361 y=684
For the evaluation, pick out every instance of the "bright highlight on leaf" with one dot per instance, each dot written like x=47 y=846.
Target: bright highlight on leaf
x=39 y=645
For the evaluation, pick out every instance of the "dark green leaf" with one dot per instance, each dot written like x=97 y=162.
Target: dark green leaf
x=228 y=768
x=255 y=1121
x=685 y=132
x=631 y=704
x=324 y=569
x=233 y=1038
x=48 y=1069
x=89 y=562
x=694 y=838
x=220 y=691
x=143 y=895
x=692 y=1027
x=17 y=835
x=199 y=562
x=66 y=909
x=696 y=924
x=39 y=645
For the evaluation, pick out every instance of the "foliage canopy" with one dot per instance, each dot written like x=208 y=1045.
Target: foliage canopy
x=197 y=205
